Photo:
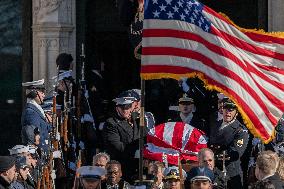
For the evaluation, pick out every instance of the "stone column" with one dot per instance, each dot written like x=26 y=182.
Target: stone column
x=275 y=15
x=54 y=32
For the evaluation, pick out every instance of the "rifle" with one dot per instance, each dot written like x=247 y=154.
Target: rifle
x=65 y=125
x=180 y=173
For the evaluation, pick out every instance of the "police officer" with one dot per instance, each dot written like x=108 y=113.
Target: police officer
x=33 y=119
x=232 y=137
x=121 y=136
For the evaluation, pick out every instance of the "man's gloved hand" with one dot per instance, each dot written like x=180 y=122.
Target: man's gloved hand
x=56 y=154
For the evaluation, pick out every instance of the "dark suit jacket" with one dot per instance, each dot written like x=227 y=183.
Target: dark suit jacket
x=33 y=119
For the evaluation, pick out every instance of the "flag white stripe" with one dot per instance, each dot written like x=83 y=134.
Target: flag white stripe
x=186 y=134
x=168 y=132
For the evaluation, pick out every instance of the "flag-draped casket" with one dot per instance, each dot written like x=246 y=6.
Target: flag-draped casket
x=168 y=141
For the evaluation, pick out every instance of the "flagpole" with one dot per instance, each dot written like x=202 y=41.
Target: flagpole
x=141 y=130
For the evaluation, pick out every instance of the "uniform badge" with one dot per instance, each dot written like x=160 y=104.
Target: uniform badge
x=240 y=142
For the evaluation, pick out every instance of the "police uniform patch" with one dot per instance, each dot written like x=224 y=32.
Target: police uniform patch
x=240 y=142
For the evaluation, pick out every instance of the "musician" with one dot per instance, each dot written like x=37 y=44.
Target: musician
x=172 y=178
x=88 y=177
x=33 y=117
x=114 y=177
x=121 y=136
x=201 y=177
x=7 y=171
x=187 y=113
x=232 y=137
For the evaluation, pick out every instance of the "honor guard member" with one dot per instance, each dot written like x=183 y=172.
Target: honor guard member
x=21 y=151
x=121 y=136
x=89 y=177
x=201 y=177
x=230 y=137
x=23 y=180
x=187 y=113
x=172 y=178
x=33 y=119
x=7 y=171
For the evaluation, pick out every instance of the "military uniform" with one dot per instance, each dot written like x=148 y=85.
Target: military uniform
x=233 y=138
x=121 y=142
x=33 y=119
x=192 y=119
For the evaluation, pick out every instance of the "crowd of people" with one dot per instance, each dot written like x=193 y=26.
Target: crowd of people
x=58 y=136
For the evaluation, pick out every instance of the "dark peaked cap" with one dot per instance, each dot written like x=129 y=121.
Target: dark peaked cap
x=63 y=61
x=6 y=163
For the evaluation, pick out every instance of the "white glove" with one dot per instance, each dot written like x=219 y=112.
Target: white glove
x=56 y=154
x=53 y=175
x=101 y=126
x=87 y=118
x=137 y=154
x=251 y=162
x=58 y=136
x=72 y=166
x=184 y=85
x=82 y=145
x=255 y=141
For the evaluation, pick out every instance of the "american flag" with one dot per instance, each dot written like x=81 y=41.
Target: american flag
x=185 y=38
x=171 y=140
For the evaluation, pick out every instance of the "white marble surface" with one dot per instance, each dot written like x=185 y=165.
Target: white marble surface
x=54 y=32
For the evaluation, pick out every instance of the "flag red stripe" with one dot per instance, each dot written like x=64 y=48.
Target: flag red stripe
x=270 y=68
x=177 y=135
x=182 y=70
x=246 y=46
x=205 y=60
x=159 y=131
x=254 y=36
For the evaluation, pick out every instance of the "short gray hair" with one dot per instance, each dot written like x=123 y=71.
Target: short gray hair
x=202 y=151
x=100 y=155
